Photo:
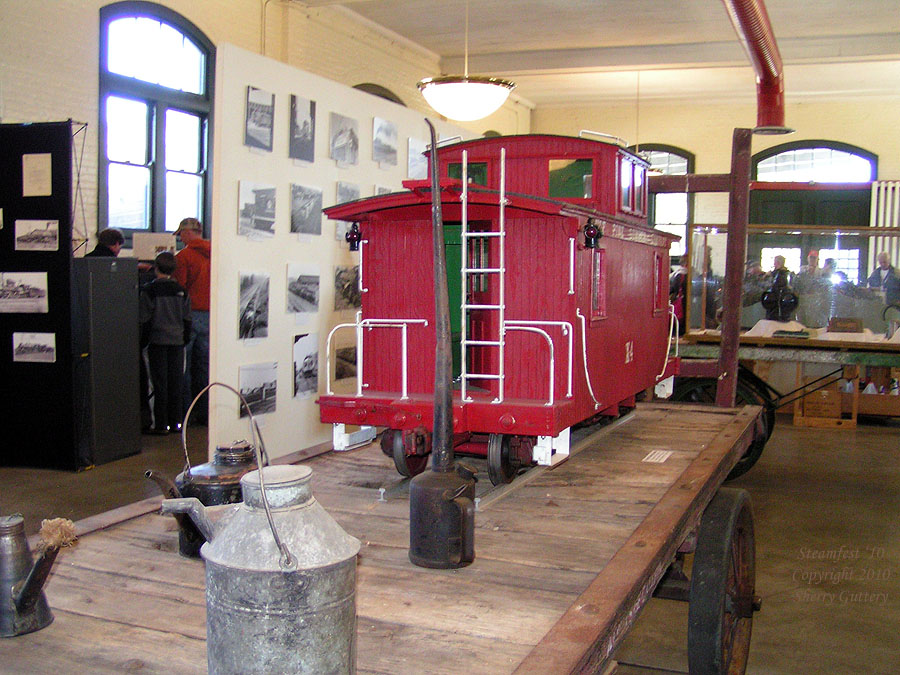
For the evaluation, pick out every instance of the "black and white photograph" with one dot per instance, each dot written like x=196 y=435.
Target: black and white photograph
x=306 y=209
x=260 y=119
x=306 y=365
x=344 y=142
x=347 y=192
x=37 y=235
x=302 y=289
x=345 y=363
x=256 y=210
x=384 y=142
x=23 y=293
x=302 y=144
x=346 y=288
x=417 y=165
x=257 y=383
x=34 y=347
x=253 y=312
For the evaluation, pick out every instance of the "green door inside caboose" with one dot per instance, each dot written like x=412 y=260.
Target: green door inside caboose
x=453 y=254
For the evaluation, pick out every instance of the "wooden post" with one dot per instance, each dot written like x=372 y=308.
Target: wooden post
x=735 y=251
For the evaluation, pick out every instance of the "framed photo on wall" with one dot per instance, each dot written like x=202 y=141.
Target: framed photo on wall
x=384 y=142
x=306 y=209
x=306 y=365
x=258 y=384
x=344 y=143
x=259 y=119
x=302 y=144
x=253 y=306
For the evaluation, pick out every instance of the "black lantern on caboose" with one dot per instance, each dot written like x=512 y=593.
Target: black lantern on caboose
x=353 y=237
x=591 y=234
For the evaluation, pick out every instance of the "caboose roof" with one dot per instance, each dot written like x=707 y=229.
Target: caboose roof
x=530 y=145
x=415 y=203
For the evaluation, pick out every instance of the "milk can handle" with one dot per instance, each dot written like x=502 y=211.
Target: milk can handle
x=254 y=427
x=288 y=561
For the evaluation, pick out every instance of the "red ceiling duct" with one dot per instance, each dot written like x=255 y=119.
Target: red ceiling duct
x=751 y=21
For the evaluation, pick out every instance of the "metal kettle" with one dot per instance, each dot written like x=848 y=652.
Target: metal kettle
x=214 y=483
x=23 y=605
x=280 y=579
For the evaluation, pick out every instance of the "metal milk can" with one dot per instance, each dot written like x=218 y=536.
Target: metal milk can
x=214 y=483
x=280 y=579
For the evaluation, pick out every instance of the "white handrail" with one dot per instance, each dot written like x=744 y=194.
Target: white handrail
x=571 y=265
x=362 y=288
x=539 y=331
x=587 y=376
x=402 y=324
x=673 y=332
x=566 y=330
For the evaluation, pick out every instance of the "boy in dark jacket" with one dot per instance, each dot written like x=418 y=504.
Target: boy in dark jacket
x=165 y=316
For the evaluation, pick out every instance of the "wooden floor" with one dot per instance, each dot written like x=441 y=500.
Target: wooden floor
x=564 y=560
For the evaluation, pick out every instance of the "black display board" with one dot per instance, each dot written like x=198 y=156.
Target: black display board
x=48 y=396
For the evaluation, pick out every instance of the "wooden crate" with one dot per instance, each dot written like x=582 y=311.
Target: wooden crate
x=825 y=407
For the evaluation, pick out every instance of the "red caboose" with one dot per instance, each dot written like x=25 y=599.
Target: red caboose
x=558 y=300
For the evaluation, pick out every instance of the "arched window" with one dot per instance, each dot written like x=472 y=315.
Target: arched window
x=379 y=91
x=156 y=90
x=817 y=161
x=669 y=212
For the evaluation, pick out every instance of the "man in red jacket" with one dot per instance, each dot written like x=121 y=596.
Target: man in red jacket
x=192 y=272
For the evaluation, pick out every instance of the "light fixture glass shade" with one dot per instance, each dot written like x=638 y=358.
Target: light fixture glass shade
x=464 y=98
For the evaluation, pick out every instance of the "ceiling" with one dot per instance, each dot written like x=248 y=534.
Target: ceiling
x=583 y=51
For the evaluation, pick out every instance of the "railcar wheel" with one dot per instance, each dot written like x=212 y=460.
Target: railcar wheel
x=722 y=602
x=503 y=465
x=703 y=390
x=407 y=465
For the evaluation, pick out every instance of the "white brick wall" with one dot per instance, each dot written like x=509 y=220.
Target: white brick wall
x=49 y=63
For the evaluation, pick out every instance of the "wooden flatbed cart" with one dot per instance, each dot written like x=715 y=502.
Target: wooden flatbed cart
x=565 y=560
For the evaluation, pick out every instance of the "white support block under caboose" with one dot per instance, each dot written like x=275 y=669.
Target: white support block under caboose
x=344 y=440
x=551 y=450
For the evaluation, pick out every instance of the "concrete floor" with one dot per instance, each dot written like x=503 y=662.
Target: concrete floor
x=826 y=507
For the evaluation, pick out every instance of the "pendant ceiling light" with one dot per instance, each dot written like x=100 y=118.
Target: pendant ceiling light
x=464 y=98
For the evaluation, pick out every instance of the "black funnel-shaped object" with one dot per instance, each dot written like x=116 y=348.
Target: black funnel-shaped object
x=442 y=500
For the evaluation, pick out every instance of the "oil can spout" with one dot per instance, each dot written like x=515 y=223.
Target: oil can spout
x=55 y=534
x=166 y=485
x=193 y=508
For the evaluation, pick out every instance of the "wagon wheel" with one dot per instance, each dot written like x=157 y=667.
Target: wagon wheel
x=502 y=465
x=407 y=465
x=720 y=612
x=703 y=390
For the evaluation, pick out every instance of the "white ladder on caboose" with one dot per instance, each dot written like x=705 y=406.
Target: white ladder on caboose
x=469 y=278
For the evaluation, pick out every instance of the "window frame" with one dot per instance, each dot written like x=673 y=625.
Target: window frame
x=599 y=275
x=812 y=144
x=159 y=99
x=635 y=205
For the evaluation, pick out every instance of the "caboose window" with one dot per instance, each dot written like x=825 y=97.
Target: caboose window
x=598 y=285
x=571 y=178
x=477 y=172
x=660 y=283
x=626 y=181
x=639 y=173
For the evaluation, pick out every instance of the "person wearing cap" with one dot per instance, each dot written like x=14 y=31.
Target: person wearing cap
x=192 y=272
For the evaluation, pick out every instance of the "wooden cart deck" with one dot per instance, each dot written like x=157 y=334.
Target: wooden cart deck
x=565 y=559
